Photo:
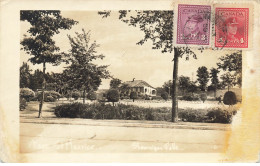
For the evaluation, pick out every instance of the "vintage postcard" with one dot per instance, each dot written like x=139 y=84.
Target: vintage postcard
x=129 y=81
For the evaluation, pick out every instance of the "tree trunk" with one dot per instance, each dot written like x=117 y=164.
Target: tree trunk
x=174 y=86
x=84 y=95
x=43 y=88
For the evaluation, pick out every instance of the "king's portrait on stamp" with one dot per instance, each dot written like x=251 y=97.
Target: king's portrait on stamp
x=232 y=27
x=193 y=24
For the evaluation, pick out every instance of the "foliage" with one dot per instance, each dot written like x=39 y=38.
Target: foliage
x=218 y=115
x=133 y=96
x=25 y=73
x=230 y=98
x=191 y=115
x=189 y=97
x=228 y=80
x=168 y=87
x=192 y=87
x=131 y=112
x=22 y=103
x=165 y=96
x=113 y=95
x=232 y=63
x=114 y=83
x=75 y=95
x=26 y=93
x=203 y=77
x=203 y=97
x=183 y=83
x=50 y=99
x=84 y=74
x=44 y=25
x=91 y=95
x=49 y=96
x=214 y=79
x=124 y=88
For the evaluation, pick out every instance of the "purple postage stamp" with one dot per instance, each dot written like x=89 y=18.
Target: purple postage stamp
x=193 y=26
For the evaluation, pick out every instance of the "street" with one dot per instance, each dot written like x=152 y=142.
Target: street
x=113 y=136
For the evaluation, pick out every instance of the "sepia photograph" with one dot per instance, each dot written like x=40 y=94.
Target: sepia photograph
x=112 y=81
x=119 y=81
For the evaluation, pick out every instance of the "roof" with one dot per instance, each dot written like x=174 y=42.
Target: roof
x=137 y=83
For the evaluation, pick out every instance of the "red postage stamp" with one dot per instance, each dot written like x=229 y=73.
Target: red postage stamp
x=231 y=26
x=193 y=26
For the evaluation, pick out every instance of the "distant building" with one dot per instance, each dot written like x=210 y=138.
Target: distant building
x=141 y=87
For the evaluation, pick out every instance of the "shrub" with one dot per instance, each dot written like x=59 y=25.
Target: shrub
x=75 y=95
x=49 y=99
x=48 y=95
x=218 y=115
x=133 y=96
x=230 y=98
x=92 y=95
x=22 y=104
x=203 y=97
x=165 y=96
x=113 y=96
x=74 y=110
x=27 y=93
x=130 y=112
x=190 y=97
x=191 y=115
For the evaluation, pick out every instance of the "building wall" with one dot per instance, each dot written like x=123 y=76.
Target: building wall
x=143 y=90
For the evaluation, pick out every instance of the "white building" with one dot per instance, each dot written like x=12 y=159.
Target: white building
x=141 y=87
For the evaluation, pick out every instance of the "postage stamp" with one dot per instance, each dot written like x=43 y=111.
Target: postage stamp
x=231 y=27
x=193 y=26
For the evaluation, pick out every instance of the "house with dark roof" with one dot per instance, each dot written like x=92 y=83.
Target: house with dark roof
x=141 y=87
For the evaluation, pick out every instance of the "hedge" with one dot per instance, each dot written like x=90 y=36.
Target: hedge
x=130 y=112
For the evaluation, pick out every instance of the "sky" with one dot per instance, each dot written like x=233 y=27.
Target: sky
x=125 y=58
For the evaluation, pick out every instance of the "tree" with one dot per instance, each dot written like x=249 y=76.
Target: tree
x=124 y=88
x=167 y=86
x=114 y=83
x=228 y=80
x=184 y=83
x=36 y=80
x=214 y=79
x=40 y=45
x=25 y=74
x=133 y=96
x=165 y=96
x=203 y=77
x=232 y=63
x=157 y=26
x=92 y=95
x=84 y=73
x=113 y=96
x=192 y=87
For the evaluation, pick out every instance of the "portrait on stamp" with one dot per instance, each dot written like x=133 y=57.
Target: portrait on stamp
x=193 y=25
x=232 y=27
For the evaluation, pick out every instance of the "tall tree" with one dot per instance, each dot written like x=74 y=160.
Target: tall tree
x=114 y=83
x=232 y=63
x=25 y=74
x=40 y=45
x=84 y=73
x=167 y=86
x=184 y=83
x=158 y=28
x=192 y=87
x=228 y=80
x=214 y=79
x=203 y=77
